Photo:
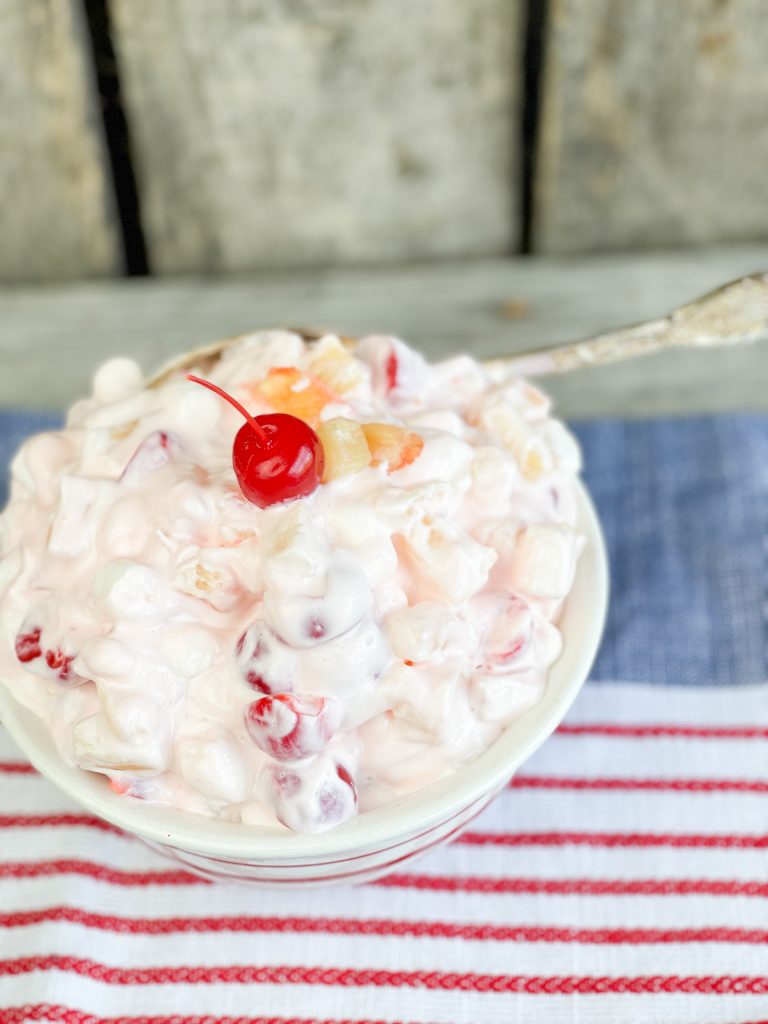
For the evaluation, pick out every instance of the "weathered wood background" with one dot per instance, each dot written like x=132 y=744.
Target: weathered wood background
x=487 y=307
x=655 y=124
x=57 y=210
x=282 y=133
x=279 y=133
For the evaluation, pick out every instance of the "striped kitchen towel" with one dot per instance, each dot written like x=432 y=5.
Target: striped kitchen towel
x=622 y=877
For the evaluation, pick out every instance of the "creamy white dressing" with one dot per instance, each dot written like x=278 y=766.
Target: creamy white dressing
x=306 y=661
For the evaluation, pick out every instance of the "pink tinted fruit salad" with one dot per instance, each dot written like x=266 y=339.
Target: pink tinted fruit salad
x=327 y=584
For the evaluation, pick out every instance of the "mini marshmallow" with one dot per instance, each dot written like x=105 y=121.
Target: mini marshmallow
x=117 y=378
x=426 y=631
x=213 y=764
x=502 y=698
x=81 y=505
x=132 y=591
x=448 y=560
x=544 y=561
x=98 y=748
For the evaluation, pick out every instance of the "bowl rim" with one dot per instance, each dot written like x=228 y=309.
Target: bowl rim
x=374 y=829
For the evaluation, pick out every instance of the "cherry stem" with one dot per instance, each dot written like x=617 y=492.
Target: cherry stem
x=258 y=431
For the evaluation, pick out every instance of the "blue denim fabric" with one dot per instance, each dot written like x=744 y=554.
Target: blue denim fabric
x=684 y=505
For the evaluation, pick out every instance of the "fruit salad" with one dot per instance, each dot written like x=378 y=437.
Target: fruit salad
x=297 y=604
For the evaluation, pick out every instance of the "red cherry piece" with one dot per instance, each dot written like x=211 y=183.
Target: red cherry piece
x=510 y=638
x=28 y=645
x=287 y=783
x=252 y=653
x=391 y=371
x=277 y=457
x=334 y=798
x=127 y=787
x=258 y=682
x=314 y=797
x=290 y=728
x=316 y=629
x=49 y=663
x=154 y=452
x=287 y=463
x=346 y=778
x=60 y=663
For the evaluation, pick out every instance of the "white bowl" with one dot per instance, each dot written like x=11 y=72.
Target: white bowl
x=377 y=841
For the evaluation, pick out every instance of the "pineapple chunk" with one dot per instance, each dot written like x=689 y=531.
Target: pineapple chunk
x=394 y=445
x=295 y=392
x=124 y=430
x=346 y=449
x=334 y=364
x=538 y=403
x=544 y=561
x=534 y=458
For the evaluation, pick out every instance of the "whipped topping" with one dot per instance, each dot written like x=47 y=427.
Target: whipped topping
x=317 y=658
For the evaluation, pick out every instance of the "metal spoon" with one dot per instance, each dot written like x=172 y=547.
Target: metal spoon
x=733 y=314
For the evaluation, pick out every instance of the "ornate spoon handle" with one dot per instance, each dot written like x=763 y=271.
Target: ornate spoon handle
x=735 y=313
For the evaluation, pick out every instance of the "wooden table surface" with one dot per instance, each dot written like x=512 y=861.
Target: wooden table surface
x=52 y=337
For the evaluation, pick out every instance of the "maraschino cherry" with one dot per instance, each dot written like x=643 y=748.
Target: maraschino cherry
x=276 y=456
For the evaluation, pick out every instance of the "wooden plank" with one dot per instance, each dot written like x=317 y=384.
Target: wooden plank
x=442 y=308
x=272 y=133
x=653 y=120
x=57 y=213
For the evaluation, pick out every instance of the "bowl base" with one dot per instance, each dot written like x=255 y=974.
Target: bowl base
x=349 y=871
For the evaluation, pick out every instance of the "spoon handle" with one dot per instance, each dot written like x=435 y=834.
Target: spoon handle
x=733 y=314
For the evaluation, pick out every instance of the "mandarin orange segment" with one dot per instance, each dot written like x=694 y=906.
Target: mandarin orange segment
x=394 y=445
x=345 y=447
x=295 y=392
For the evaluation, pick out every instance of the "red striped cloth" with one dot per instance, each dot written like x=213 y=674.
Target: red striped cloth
x=623 y=877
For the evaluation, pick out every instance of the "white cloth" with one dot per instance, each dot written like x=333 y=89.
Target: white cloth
x=623 y=879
